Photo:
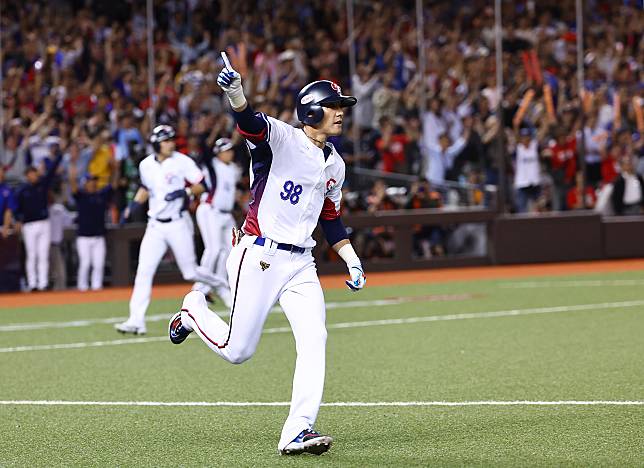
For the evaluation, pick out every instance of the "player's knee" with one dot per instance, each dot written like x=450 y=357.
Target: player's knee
x=145 y=273
x=194 y=299
x=239 y=357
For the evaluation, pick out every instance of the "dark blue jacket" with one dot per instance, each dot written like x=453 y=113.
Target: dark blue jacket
x=91 y=211
x=31 y=199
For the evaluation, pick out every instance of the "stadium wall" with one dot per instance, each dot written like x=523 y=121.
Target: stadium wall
x=510 y=239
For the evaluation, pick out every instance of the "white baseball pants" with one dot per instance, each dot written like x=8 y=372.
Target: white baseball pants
x=37 y=237
x=91 y=253
x=259 y=276
x=216 y=232
x=157 y=238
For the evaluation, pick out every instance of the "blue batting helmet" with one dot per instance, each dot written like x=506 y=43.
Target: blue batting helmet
x=314 y=96
x=161 y=133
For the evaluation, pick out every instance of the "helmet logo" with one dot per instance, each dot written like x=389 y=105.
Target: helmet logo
x=307 y=99
x=336 y=88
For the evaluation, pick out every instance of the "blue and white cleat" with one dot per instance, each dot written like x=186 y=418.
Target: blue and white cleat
x=308 y=441
x=178 y=333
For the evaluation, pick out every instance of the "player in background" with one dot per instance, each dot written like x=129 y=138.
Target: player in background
x=164 y=176
x=296 y=182
x=214 y=214
x=92 y=204
x=32 y=212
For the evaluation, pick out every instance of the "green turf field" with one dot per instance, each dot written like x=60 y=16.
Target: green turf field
x=527 y=340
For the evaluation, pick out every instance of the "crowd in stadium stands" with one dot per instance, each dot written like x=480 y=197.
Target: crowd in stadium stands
x=76 y=101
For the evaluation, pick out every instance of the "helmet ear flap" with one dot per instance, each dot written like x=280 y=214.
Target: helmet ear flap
x=314 y=114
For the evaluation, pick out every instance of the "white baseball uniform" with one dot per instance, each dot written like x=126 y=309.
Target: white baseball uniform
x=293 y=184
x=169 y=225
x=215 y=221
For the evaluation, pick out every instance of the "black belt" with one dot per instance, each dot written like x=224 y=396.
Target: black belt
x=167 y=220
x=280 y=246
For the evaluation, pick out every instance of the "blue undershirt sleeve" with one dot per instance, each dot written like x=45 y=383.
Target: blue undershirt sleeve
x=334 y=230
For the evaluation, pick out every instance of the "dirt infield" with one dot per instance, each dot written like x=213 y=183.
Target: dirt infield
x=337 y=281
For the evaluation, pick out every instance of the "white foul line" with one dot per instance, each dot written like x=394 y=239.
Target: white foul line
x=355 y=404
x=342 y=325
x=571 y=284
x=163 y=317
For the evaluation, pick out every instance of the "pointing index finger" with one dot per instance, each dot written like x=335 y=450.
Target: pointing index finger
x=227 y=64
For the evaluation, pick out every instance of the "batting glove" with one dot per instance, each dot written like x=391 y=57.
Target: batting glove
x=131 y=209
x=174 y=195
x=358 y=279
x=230 y=81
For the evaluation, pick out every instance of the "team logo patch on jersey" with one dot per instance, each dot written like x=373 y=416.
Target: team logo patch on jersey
x=330 y=184
x=336 y=88
x=264 y=265
x=307 y=99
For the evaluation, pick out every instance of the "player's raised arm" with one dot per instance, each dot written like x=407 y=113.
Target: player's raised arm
x=250 y=126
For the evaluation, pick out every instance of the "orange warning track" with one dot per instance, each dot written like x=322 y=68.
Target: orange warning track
x=176 y=291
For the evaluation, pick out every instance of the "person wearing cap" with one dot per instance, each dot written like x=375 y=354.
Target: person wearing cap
x=33 y=214
x=92 y=203
x=527 y=171
x=168 y=179
x=214 y=213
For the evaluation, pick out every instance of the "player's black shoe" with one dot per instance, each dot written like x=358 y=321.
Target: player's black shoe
x=308 y=441
x=178 y=333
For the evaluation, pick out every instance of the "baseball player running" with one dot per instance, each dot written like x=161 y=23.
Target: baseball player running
x=214 y=214
x=164 y=176
x=296 y=182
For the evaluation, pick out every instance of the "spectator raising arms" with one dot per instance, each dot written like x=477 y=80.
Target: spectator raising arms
x=391 y=147
x=628 y=190
x=527 y=171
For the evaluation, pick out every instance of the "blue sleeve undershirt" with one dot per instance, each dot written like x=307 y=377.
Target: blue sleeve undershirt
x=334 y=230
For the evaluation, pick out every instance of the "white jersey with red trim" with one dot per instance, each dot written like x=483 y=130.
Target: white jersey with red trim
x=162 y=178
x=294 y=183
x=221 y=190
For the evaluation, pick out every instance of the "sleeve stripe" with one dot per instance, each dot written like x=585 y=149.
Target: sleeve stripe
x=254 y=137
x=268 y=123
